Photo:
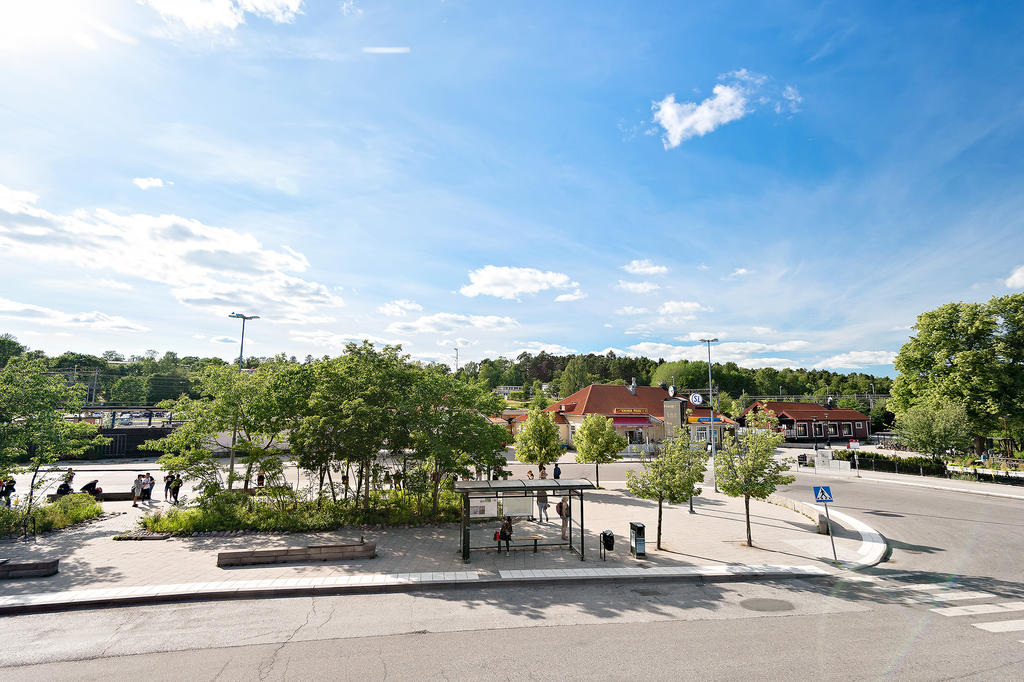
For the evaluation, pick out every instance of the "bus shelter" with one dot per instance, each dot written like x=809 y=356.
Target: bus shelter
x=494 y=500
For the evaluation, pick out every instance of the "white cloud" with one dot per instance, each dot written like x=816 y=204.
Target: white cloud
x=744 y=353
x=446 y=323
x=682 y=121
x=349 y=8
x=638 y=287
x=702 y=266
x=326 y=339
x=217 y=15
x=738 y=272
x=857 y=359
x=510 y=283
x=630 y=310
x=34 y=314
x=762 y=331
x=1016 y=278
x=114 y=284
x=697 y=336
x=212 y=268
x=644 y=267
x=685 y=310
x=459 y=342
x=399 y=308
x=148 y=183
x=574 y=296
x=224 y=339
x=536 y=347
x=792 y=97
x=387 y=50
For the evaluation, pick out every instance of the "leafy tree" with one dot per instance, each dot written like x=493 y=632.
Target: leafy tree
x=597 y=442
x=9 y=347
x=33 y=429
x=539 y=402
x=881 y=417
x=130 y=390
x=112 y=356
x=674 y=476
x=935 y=429
x=538 y=441
x=574 y=377
x=747 y=466
x=966 y=353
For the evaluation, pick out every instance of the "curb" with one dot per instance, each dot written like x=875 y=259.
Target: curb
x=873 y=546
x=715 y=575
x=984 y=493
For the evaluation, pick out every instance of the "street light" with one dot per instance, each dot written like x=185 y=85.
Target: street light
x=234 y=429
x=241 y=348
x=711 y=408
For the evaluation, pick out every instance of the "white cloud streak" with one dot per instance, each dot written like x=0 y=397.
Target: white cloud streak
x=218 y=15
x=387 y=50
x=1016 y=278
x=510 y=283
x=446 y=323
x=148 y=183
x=34 y=314
x=644 y=267
x=399 y=308
x=683 y=120
x=857 y=359
x=638 y=287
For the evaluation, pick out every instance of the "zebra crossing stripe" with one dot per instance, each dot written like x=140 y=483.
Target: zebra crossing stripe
x=980 y=609
x=1001 y=626
x=952 y=595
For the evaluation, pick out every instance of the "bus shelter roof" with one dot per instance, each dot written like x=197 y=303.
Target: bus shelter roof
x=523 y=485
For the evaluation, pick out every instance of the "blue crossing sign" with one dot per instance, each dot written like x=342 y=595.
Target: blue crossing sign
x=822 y=493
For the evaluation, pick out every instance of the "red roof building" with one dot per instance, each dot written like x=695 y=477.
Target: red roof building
x=812 y=421
x=644 y=414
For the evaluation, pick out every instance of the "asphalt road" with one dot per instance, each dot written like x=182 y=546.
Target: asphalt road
x=963 y=550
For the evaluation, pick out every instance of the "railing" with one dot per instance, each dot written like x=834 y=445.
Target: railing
x=639 y=449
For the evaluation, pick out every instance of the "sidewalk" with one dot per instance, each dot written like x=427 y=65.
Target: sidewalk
x=707 y=545
x=1003 y=490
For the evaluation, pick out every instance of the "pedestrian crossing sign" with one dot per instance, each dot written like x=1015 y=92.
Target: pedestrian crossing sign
x=822 y=493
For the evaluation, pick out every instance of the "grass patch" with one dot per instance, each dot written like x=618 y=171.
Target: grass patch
x=66 y=511
x=237 y=511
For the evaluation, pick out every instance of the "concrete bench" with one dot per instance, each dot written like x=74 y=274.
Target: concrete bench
x=28 y=569
x=283 y=555
x=524 y=538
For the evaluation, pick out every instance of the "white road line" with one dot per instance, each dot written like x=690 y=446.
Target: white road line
x=1001 y=626
x=980 y=609
x=952 y=595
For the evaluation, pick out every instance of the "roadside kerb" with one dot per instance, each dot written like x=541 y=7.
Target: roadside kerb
x=947 y=488
x=872 y=545
x=379 y=584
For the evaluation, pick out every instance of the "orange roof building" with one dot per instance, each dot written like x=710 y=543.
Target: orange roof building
x=813 y=421
x=644 y=414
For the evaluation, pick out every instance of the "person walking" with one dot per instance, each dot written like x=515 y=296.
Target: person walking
x=505 y=534
x=557 y=472
x=543 y=472
x=167 y=486
x=138 y=488
x=6 y=490
x=147 y=492
x=175 y=488
x=542 y=506
x=562 y=508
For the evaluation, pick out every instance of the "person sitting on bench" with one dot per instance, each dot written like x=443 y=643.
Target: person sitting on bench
x=505 y=534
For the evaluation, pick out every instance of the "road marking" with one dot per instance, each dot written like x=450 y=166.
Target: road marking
x=980 y=609
x=952 y=595
x=1001 y=626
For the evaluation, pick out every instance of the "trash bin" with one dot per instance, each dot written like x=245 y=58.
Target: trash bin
x=608 y=540
x=637 y=543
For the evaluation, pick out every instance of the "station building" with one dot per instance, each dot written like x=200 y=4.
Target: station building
x=807 y=422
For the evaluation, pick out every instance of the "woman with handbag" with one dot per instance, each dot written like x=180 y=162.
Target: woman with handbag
x=505 y=534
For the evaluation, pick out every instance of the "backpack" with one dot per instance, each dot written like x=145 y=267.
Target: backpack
x=558 y=508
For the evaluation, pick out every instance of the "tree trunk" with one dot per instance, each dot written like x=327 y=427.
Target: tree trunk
x=979 y=446
x=437 y=488
x=366 y=487
x=334 y=496
x=746 y=508
x=597 y=473
x=660 y=499
x=691 y=505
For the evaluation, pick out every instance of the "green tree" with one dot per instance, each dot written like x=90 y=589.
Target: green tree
x=935 y=429
x=9 y=347
x=33 y=431
x=130 y=390
x=574 y=376
x=598 y=443
x=674 y=476
x=747 y=466
x=538 y=441
x=539 y=402
x=966 y=353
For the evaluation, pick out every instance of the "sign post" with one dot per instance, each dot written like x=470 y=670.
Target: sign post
x=823 y=494
x=855 y=445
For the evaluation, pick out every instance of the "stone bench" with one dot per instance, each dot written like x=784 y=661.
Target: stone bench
x=28 y=569
x=523 y=538
x=283 y=555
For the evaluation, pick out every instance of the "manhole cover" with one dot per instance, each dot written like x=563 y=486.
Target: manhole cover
x=766 y=605
x=648 y=593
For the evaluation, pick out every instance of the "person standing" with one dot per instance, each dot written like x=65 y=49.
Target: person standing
x=6 y=490
x=542 y=506
x=562 y=508
x=138 y=488
x=543 y=472
x=148 y=493
x=175 y=488
x=167 y=486
x=529 y=474
x=558 y=471
x=261 y=479
x=505 y=534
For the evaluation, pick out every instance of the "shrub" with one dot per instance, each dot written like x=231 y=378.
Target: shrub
x=232 y=510
x=66 y=511
x=875 y=461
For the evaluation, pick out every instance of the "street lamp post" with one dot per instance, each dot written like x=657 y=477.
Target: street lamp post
x=711 y=408
x=456 y=360
x=234 y=428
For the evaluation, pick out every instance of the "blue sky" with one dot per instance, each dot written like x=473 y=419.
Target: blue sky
x=799 y=179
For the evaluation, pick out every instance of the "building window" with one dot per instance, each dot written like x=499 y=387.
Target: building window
x=818 y=430
x=801 y=430
x=572 y=432
x=847 y=429
x=702 y=433
x=860 y=425
x=833 y=429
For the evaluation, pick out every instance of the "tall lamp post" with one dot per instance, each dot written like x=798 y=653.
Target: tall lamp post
x=234 y=429
x=711 y=408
